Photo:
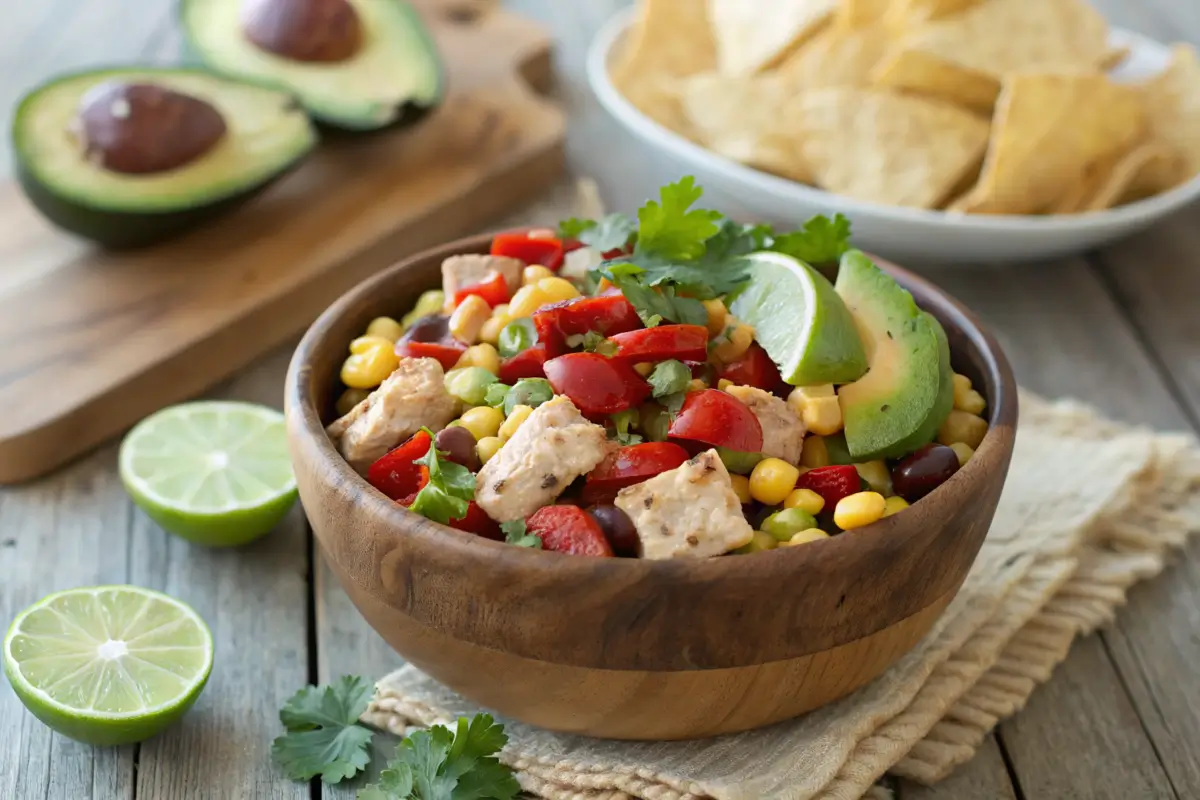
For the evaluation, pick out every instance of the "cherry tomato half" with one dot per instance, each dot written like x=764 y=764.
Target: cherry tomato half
x=569 y=529
x=547 y=251
x=754 y=368
x=447 y=353
x=630 y=465
x=493 y=289
x=832 y=483
x=606 y=315
x=396 y=475
x=683 y=342
x=719 y=419
x=529 y=363
x=595 y=384
x=478 y=522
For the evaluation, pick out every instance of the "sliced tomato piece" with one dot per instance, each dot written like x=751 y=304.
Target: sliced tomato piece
x=529 y=363
x=606 y=315
x=630 y=465
x=571 y=245
x=478 y=522
x=569 y=529
x=684 y=342
x=447 y=353
x=595 y=384
x=547 y=251
x=493 y=289
x=396 y=475
x=832 y=483
x=754 y=368
x=719 y=419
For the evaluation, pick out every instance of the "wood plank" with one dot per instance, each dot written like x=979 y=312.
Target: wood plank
x=982 y=778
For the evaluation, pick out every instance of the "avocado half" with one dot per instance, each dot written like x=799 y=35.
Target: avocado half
x=385 y=71
x=264 y=133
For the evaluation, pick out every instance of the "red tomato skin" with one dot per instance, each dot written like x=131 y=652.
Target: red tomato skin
x=682 y=342
x=478 y=522
x=395 y=474
x=528 y=363
x=629 y=465
x=606 y=314
x=548 y=252
x=754 y=368
x=571 y=245
x=447 y=353
x=595 y=384
x=717 y=418
x=569 y=529
x=493 y=289
x=832 y=483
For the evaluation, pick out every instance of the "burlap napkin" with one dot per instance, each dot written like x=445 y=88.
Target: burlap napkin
x=1090 y=508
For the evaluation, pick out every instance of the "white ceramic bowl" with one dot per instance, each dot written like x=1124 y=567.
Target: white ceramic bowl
x=911 y=236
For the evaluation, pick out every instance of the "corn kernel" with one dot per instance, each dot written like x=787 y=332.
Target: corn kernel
x=527 y=300
x=696 y=385
x=877 y=475
x=962 y=385
x=894 y=505
x=772 y=481
x=534 y=273
x=963 y=451
x=804 y=537
x=482 y=421
x=487 y=447
x=369 y=368
x=962 y=427
x=364 y=344
x=972 y=402
x=480 y=355
x=515 y=417
x=741 y=487
x=431 y=302
x=558 y=289
x=822 y=415
x=643 y=368
x=467 y=320
x=859 y=509
x=734 y=344
x=758 y=542
x=724 y=383
x=385 y=327
x=815 y=453
x=717 y=313
x=349 y=399
x=805 y=500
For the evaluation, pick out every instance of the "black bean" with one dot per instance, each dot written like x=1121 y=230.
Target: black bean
x=459 y=443
x=922 y=471
x=433 y=328
x=619 y=530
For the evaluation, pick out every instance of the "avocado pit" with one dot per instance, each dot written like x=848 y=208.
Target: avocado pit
x=141 y=128
x=323 y=31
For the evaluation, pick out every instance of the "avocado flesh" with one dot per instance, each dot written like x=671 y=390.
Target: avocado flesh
x=395 y=69
x=266 y=134
x=889 y=410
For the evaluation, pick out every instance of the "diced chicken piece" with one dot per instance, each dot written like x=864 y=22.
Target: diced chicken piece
x=412 y=397
x=691 y=511
x=783 y=431
x=459 y=272
x=553 y=447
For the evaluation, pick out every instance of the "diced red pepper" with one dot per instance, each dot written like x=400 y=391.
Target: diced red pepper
x=569 y=529
x=396 y=475
x=754 y=368
x=547 y=251
x=832 y=483
x=719 y=419
x=447 y=353
x=684 y=342
x=493 y=289
x=529 y=363
x=478 y=522
x=606 y=315
x=571 y=245
x=595 y=384
x=630 y=465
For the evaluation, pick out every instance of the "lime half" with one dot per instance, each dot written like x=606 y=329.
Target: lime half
x=216 y=473
x=800 y=321
x=108 y=664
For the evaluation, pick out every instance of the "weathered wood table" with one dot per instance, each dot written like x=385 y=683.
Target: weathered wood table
x=1119 y=328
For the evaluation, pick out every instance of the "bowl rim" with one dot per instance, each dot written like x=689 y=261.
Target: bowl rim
x=630 y=117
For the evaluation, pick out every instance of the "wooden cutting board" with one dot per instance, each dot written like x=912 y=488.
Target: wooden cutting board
x=90 y=342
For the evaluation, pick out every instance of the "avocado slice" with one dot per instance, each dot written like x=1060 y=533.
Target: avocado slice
x=356 y=65
x=890 y=410
x=130 y=156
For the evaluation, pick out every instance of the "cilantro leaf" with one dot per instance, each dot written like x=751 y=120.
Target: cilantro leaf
x=450 y=489
x=670 y=229
x=821 y=241
x=673 y=403
x=393 y=783
x=610 y=233
x=574 y=227
x=654 y=306
x=622 y=421
x=595 y=342
x=669 y=377
x=516 y=532
x=323 y=735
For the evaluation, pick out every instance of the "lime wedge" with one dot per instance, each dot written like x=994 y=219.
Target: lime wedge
x=108 y=664
x=216 y=473
x=800 y=321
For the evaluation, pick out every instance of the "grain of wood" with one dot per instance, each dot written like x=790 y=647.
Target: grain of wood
x=982 y=778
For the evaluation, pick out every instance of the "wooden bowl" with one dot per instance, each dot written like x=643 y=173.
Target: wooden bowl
x=627 y=648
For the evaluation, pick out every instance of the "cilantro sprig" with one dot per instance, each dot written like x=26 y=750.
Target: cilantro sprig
x=450 y=490
x=610 y=233
x=516 y=532
x=323 y=735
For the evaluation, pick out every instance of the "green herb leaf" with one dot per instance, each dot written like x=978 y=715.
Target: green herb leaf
x=614 y=231
x=655 y=306
x=516 y=532
x=670 y=229
x=622 y=422
x=673 y=403
x=594 y=342
x=821 y=241
x=324 y=737
x=450 y=489
x=669 y=377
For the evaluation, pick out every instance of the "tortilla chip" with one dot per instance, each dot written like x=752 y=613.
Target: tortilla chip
x=1114 y=58
x=837 y=56
x=922 y=73
x=1172 y=102
x=753 y=35
x=1121 y=184
x=887 y=148
x=1049 y=131
x=1000 y=37
x=858 y=13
